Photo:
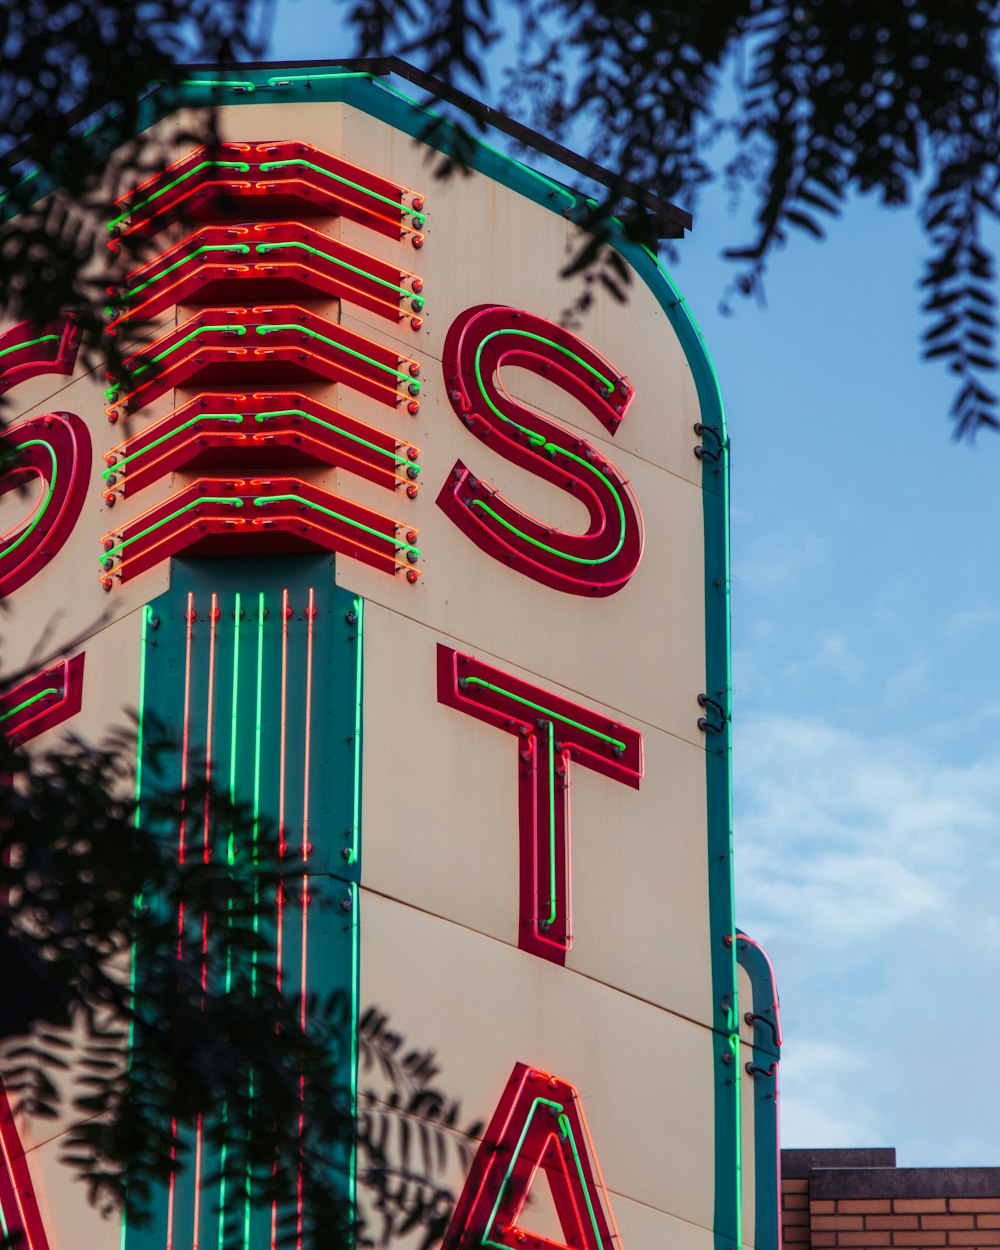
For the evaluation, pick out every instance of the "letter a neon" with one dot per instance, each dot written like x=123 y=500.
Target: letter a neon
x=538 y=1126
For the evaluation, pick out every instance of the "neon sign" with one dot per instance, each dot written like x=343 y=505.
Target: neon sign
x=538 y=1126
x=483 y=340
x=272 y=344
x=26 y=352
x=56 y=450
x=242 y=657
x=270 y=179
x=280 y=260
x=267 y=428
x=42 y=701
x=255 y=667
x=551 y=733
x=262 y=515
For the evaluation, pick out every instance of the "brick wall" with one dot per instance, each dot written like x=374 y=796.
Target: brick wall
x=860 y=1199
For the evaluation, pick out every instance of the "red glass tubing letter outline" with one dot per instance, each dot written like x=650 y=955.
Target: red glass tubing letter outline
x=538 y=1126
x=551 y=733
x=42 y=701
x=38 y=703
x=55 y=448
x=480 y=342
x=26 y=351
x=19 y=1211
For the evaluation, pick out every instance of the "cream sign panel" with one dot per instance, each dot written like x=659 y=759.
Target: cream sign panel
x=439 y=577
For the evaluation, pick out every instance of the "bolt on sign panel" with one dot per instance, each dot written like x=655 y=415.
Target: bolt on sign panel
x=385 y=543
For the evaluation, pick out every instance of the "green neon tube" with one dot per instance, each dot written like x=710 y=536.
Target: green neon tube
x=238 y=418
x=269 y=165
x=359 y=609
x=242 y=166
x=18 y=347
x=143 y=646
x=287 y=80
x=552 y=825
x=233 y=503
x=231 y=859
x=478 y=681
x=298 y=412
x=564 y=1124
x=204 y=416
x=231 y=845
x=40 y=512
x=556 y=1108
x=538 y=440
x=405 y=377
x=391 y=286
x=240 y=248
x=167 y=351
x=352 y=1178
x=242 y=85
x=265 y=499
x=258 y=728
x=609 y=386
x=222 y=1184
x=258 y=732
x=35 y=698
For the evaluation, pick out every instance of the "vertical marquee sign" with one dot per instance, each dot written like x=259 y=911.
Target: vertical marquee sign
x=440 y=587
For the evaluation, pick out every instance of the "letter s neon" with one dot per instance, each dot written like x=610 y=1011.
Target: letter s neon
x=479 y=343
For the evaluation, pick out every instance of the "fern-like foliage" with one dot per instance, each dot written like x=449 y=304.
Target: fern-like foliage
x=815 y=101
x=86 y=894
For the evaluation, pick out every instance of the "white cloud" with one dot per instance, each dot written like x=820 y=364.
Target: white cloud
x=814 y=1110
x=778 y=560
x=971 y=621
x=869 y=869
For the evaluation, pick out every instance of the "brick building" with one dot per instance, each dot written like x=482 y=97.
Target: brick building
x=859 y=1198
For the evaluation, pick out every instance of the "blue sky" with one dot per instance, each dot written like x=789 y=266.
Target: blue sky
x=866 y=691
x=866 y=613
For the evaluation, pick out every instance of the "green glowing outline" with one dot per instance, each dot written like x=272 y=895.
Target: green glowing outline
x=266 y=166
x=567 y=1130
x=46 y=338
x=240 y=248
x=242 y=166
x=398 y=461
x=42 y=507
x=552 y=826
x=261 y=500
x=28 y=702
x=204 y=416
x=538 y=440
x=270 y=329
x=193 y=503
x=273 y=247
x=359 y=608
x=286 y=80
x=240 y=417
x=479 y=681
x=167 y=351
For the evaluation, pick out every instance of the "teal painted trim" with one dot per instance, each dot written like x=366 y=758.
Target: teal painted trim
x=376 y=98
x=765 y=1052
x=258 y=668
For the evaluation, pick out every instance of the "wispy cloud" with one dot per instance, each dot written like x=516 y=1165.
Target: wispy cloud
x=778 y=560
x=971 y=621
x=870 y=870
